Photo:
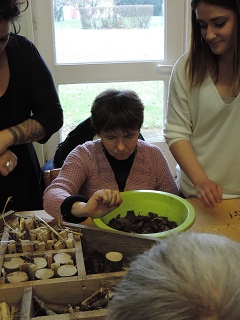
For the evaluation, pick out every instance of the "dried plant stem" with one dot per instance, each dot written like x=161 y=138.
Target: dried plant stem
x=8 y=199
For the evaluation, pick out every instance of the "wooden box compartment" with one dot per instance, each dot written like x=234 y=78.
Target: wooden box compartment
x=61 y=292
x=72 y=291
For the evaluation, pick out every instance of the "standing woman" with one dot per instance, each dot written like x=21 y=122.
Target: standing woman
x=30 y=111
x=202 y=126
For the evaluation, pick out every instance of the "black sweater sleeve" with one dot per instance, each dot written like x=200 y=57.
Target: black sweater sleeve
x=66 y=209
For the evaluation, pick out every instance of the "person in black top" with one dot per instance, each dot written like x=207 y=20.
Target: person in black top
x=30 y=111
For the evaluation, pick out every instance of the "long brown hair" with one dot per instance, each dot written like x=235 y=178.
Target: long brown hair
x=201 y=60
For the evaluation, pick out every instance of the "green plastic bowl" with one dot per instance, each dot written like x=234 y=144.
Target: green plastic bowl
x=164 y=204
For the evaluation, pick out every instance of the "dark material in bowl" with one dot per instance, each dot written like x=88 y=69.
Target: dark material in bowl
x=132 y=223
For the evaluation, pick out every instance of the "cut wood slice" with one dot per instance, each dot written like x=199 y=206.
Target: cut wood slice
x=114 y=256
x=40 y=262
x=114 y=260
x=43 y=274
x=67 y=271
x=17 y=276
x=13 y=264
x=62 y=257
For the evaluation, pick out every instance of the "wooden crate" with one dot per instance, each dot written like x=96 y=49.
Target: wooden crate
x=72 y=290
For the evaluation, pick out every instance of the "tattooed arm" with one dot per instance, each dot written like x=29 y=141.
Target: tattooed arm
x=25 y=132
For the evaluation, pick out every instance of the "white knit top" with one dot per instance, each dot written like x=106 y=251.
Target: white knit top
x=211 y=125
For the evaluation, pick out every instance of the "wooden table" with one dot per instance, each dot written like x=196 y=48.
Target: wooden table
x=223 y=219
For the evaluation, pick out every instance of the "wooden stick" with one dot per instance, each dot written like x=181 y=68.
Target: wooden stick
x=42 y=306
x=57 y=308
x=100 y=290
x=71 y=312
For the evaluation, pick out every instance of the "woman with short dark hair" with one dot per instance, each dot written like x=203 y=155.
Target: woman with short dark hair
x=94 y=173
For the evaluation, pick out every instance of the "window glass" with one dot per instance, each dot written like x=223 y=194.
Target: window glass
x=101 y=31
x=87 y=55
x=76 y=100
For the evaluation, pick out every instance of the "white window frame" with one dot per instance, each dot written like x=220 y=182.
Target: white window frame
x=39 y=28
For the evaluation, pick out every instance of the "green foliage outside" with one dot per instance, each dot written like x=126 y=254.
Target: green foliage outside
x=76 y=100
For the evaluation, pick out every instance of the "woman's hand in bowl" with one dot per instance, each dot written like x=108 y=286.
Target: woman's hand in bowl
x=101 y=203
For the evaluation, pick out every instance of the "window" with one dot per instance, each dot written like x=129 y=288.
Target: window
x=79 y=98
x=102 y=31
x=128 y=51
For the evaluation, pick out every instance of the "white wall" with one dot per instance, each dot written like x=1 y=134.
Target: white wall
x=26 y=23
